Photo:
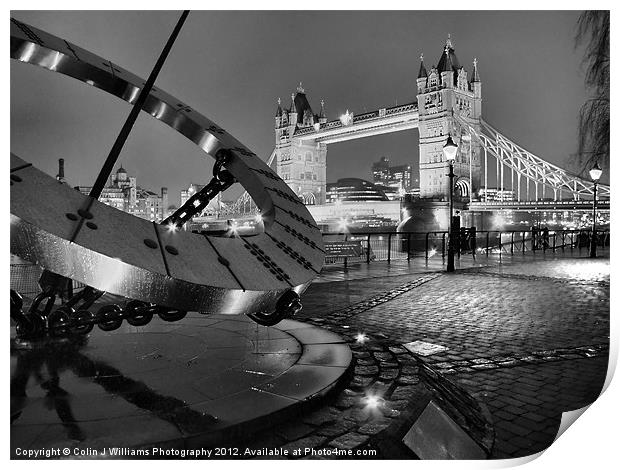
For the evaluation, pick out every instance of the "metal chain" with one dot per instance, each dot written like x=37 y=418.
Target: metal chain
x=74 y=318
x=221 y=181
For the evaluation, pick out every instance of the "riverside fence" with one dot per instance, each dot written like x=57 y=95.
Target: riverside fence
x=346 y=248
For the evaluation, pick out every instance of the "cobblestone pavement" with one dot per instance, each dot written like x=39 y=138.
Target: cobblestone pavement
x=529 y=339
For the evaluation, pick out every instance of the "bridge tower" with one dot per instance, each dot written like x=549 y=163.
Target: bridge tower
x=442 y=92
x=301 y=164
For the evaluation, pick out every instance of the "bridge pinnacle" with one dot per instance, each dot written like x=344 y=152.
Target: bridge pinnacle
x=449 y=43
x=475 y=77
x=293 y=107
x=322 y=115
x=279 y=109
x=447 y=65
x=422 y=72
x=300 y=88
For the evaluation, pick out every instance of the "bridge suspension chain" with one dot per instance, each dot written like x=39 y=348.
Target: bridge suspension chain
x=238 y=207
x=529 y=166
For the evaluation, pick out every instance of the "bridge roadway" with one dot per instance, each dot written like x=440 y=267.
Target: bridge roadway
x=381 y=121
x=539 y=206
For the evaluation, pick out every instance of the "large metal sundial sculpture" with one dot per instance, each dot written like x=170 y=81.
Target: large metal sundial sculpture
x=163 y=270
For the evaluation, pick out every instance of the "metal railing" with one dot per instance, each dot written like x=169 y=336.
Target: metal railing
x=24 y=278
x=391 y=246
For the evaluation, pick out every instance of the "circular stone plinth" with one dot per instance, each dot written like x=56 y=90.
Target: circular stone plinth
x=190 y=384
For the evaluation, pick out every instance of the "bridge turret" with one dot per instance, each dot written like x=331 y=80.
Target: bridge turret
x=449 y=89
x=446 y=69
x=422 y=75
x=292 y=111
x=301 y=163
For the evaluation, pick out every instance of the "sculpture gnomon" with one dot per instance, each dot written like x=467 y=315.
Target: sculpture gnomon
x=163 y=270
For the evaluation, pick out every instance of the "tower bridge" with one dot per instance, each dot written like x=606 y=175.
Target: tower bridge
x=448 y=102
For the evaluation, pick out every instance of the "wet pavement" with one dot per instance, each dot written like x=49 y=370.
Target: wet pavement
x=520 y=341
x=528 y=337
x=185 y=384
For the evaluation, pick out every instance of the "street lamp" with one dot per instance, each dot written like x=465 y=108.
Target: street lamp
x=449 y=151
x=595 y=174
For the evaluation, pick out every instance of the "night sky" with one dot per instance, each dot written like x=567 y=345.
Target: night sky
x=233 y=66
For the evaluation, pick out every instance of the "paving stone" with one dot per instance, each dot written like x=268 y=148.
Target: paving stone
x=344 y=402
x=360 y=382
x=366 y=370
x=534 y=417
x=409 y=370
x=337 y=428
x=366 y=362
x=373 y=428
x=514 y=428
x=349 y=441
x=389 y=365
x=358 y=415
x=389 y=374
x=383 y=356
x=404 y=393
x=294 y=431
x=390 y=412
x=397 y=404
x=320 y=417
x=524 y=383
x=408 y=380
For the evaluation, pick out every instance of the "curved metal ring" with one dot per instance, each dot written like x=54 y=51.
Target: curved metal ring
x=129 y=256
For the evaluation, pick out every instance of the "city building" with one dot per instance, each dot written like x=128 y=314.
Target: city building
x=123 y=193
x=365 y=215
x=354 y=189
x=399 y=177
x=381 y=170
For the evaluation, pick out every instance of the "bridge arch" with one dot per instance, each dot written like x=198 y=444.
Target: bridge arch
x=462 y=188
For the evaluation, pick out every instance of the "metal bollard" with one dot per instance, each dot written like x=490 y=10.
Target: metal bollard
x=487 y=250
x=443 y=245
x=408 y=246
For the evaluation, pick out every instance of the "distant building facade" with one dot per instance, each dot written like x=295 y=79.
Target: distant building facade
x=354 y=189
x=123 y=193
x=399 y=179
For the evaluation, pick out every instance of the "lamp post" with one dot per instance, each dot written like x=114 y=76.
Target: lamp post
x=595 y=174
x=449 y=151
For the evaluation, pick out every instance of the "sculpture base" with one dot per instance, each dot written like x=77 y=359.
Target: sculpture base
x=204 y=381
